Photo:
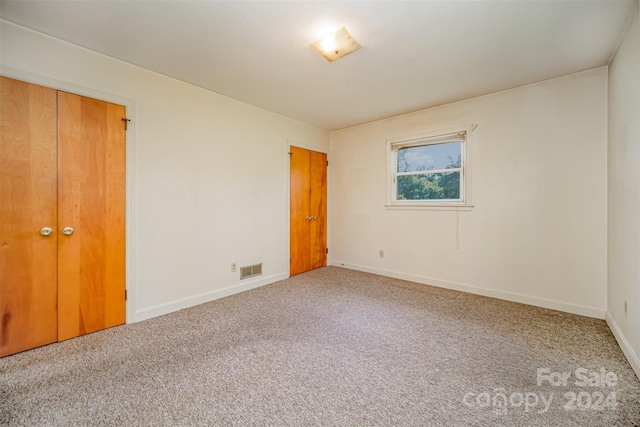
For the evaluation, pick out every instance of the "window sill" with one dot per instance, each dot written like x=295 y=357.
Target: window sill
x=430 y=207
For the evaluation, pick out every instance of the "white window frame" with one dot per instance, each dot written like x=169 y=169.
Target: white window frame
x=431 y=138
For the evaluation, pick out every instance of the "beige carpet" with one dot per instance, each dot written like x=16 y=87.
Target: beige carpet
x=332 y=347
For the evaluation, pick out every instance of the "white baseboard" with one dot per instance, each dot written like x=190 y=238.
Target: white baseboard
x=631 y=356
x=508 y=296
x=159 y=310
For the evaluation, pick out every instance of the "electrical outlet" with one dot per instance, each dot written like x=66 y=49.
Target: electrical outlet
x=625 y=307
x=381 y=254
x=234 y=267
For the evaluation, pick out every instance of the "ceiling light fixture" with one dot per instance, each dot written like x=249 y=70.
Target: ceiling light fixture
x=336 y=45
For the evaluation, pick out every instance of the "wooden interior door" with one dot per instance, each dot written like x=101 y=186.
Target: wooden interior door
x=318 y=209
x=28 y=176
x=308 y=210
x=300 y=198
x=91 y=201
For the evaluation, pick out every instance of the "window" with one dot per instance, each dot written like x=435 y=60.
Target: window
x=430 y=170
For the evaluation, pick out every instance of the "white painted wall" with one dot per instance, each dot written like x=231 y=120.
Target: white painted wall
x=538 y=231
x=624 y=195
x=211 y=174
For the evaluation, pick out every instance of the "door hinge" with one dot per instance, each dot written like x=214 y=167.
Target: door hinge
x=290 y=259
x=126 y=122
x=125 y=294
x=327 y=162
x=327 y=250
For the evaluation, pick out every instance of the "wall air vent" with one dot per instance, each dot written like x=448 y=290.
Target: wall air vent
x=250 y=271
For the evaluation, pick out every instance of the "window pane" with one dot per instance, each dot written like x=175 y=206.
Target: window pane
x=434 y=186
x=429 y=157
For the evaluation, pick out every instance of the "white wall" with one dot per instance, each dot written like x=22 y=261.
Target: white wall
x=538 y=231
x=210 y=174
x=624 y=195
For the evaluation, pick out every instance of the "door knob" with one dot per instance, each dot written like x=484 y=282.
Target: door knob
x=46 y=231
x=67 y=231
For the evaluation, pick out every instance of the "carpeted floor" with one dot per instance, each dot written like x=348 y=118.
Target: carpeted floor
x=332 y=347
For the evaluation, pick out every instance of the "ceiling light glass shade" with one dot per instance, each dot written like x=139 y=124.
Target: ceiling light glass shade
x=336 y=45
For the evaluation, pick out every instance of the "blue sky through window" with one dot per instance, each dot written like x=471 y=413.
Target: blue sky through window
x=429 y=157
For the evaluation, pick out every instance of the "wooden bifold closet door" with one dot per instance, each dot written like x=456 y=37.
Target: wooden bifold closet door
x=308 y=210
x=62 y=215
x=28 y=188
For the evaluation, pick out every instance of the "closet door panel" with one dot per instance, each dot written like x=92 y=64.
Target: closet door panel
x=318 y=209
x=28 y=261
x=116 y=213
x=91 y=188
x=300 y=245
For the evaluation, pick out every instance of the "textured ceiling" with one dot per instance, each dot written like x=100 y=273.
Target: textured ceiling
x=415 y=54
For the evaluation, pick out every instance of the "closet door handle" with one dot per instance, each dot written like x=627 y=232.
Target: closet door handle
x=46 y=231
x=67 y=231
